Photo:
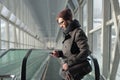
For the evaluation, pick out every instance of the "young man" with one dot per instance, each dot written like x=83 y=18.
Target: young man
x=75 y=48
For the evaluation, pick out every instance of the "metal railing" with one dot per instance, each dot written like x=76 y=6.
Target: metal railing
x=96 y=67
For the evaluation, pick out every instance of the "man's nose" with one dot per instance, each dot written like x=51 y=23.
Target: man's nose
x=61 y=26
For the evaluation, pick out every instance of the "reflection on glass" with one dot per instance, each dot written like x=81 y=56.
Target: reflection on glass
x=97 y=13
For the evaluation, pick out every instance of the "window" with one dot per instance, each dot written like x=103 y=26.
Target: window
x=3 y=45
x=97 y=13
x=85 y=17
x=73 y=4
x=21 y=36
x=17 y=35
x=11 y=33
x=97 y=47
x=3 y=30
x=11 y=45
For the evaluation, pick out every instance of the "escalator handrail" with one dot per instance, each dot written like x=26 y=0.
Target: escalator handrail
x=7 y=76
x=5 y=52
x=24 y=62
x=96 y=67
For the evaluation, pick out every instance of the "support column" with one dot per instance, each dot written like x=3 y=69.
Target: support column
x=116 y=51
x=90 y=22
x=105 y=35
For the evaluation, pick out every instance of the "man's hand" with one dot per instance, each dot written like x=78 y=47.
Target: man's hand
x=65 y=66
x=55 y=54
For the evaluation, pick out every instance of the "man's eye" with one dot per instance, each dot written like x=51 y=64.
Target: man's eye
x=61 y=22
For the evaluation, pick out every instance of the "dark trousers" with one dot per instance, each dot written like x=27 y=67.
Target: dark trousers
x=67 y=76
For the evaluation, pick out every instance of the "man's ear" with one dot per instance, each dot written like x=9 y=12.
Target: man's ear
x=68 y=21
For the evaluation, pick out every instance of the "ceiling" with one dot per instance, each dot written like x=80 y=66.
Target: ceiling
x=44 y=12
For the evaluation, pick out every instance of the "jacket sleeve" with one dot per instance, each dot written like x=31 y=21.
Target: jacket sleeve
x=81 y=41
x=60 y=53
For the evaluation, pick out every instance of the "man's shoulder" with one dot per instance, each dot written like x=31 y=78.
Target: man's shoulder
x=78 y=30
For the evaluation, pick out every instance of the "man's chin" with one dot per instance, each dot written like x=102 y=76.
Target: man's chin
x=63 y=28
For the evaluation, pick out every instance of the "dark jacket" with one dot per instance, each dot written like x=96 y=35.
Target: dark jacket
x=77 y=50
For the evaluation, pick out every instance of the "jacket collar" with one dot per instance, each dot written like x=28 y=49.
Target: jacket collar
x=73 y=25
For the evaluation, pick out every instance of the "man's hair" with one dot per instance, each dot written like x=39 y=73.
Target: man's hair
x=66 y=14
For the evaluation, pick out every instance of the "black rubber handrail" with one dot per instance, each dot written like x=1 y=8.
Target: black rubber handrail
x=24 y=62
x=96 y=67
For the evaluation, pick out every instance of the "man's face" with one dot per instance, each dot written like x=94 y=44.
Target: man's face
x=62 y=23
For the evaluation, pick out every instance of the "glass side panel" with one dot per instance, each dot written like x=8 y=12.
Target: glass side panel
x=35 y=62
x=53 y=67
x=11 y=63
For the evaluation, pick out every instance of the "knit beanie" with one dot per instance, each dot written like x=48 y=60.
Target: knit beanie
x=66 y=14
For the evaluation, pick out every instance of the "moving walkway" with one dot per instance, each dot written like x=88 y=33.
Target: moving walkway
x=35 y=64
